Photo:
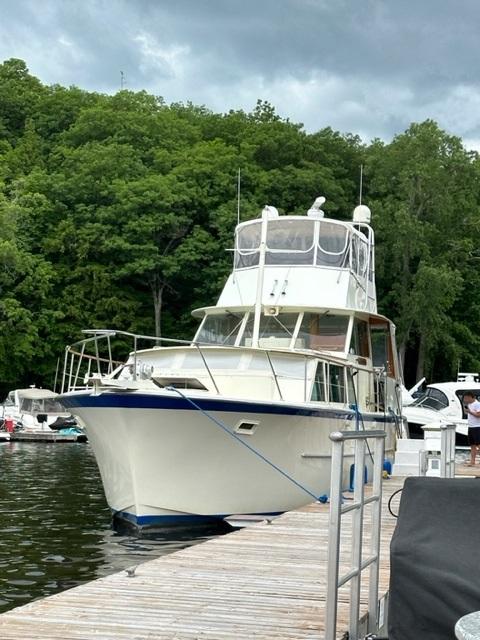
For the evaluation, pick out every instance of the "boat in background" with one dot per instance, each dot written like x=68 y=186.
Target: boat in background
x=37 y=410
x=443 y=402
x=238 y=420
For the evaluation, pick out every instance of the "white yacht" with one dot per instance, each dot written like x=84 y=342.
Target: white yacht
x=237 y=421
x=442 y=402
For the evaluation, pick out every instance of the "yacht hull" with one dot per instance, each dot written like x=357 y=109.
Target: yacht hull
x=166 y=459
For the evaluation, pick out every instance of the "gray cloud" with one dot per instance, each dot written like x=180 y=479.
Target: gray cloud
x=364 y=66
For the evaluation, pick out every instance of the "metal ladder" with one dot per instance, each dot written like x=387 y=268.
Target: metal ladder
x=357 y=506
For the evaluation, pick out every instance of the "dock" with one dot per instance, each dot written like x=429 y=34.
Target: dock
x=45 y=436
x=264 y=581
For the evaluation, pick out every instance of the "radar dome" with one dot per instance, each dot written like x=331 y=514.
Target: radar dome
x=362 y=214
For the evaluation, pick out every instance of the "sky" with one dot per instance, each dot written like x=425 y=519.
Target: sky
x=367 y=67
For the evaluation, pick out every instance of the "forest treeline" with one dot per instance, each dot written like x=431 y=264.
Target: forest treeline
x=116 y=211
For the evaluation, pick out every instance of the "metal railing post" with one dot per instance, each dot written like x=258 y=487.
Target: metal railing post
x=207 y=368
x=274 y=375
x=135 y=358
x=379 y=454
x=337 y=509
x=357 y=536
x=334 y=533
x=447 y=455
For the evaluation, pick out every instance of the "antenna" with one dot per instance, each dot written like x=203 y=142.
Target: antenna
x=238 y=196
x=361 y=183
x=122 y=81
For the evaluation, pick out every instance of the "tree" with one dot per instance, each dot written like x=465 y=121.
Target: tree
x=415 y=186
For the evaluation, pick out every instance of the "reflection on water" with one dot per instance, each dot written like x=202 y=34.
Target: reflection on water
x=55 y=526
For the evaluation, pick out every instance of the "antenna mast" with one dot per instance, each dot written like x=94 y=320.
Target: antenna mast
x=122 y=81
x=361 y=183
x=238 y=197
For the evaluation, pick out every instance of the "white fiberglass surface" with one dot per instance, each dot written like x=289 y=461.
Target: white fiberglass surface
x=231 y=359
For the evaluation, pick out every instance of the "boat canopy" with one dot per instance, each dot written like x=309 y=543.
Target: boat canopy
x=295 y=240
x=36 y=394
x=33 y=400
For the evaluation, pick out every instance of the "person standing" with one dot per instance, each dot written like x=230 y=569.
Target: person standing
x=472 y=407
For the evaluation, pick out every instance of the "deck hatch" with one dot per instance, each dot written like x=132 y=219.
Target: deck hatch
x=179 y=383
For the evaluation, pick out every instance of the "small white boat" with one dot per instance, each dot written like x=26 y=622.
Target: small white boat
x=237 y=421
x=442 y=402
x=35 y=410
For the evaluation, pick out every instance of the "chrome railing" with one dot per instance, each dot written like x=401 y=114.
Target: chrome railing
x=92 y=358
x=357 y=506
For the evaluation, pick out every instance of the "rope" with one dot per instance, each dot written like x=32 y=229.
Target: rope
x=245 y=444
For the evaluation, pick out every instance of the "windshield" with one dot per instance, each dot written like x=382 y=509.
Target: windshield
x=220 y=328
x=322 y=332
x=10 y=399
x=43 y=405
x=432 y=399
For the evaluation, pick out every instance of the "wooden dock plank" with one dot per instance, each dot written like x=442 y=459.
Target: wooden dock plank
x=265 y=581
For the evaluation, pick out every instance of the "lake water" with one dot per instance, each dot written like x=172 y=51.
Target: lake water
x=55 y=525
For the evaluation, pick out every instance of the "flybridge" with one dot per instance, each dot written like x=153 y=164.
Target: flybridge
x=304 y=261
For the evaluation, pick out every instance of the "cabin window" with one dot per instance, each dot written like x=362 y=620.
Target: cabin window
x=247 y=246
x=10 y=399
x=275 y=331
x=433 y=399
x=322 y=332
x=336 y=383
x=220 y=329
x=332 y=244
x=318 y=389
x=42 y=405
x=360 y=256
x=382 y=349
x=360 y=344
x=290 y=242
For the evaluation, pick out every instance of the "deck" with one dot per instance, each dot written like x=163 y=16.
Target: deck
x=265 y=581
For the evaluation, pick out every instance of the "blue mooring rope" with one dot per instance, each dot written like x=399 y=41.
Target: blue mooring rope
x=245 y=444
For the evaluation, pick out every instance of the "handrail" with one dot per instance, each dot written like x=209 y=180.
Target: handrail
x=274 y=374
x=73 y=371
x=337 y=509
x=77 y=349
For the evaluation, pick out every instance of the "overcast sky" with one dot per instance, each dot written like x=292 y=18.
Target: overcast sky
x=369 y=67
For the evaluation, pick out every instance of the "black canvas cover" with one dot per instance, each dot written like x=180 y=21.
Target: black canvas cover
x=435 y=558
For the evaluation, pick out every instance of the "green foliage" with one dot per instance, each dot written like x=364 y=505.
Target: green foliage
x=117 y=211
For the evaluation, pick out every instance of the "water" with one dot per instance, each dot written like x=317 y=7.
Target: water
x=55 y=525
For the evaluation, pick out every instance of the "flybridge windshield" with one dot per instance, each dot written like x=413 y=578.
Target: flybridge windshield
x=302 y=242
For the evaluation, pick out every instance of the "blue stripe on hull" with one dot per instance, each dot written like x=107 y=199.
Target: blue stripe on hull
x=147 y=401
x=177 y=520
